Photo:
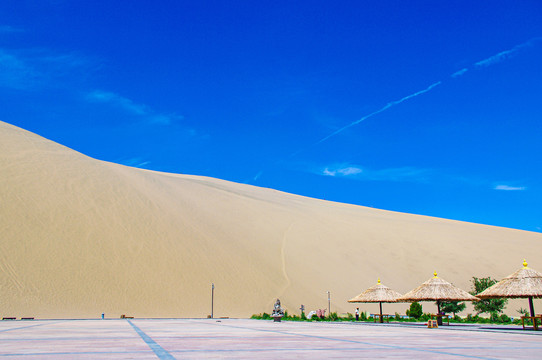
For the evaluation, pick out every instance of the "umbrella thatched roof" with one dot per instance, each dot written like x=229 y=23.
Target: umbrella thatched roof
x=524 y=283
x=437 y=289
x=377 y=293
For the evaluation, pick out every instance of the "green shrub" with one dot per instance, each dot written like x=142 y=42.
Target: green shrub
x=266 y=316
x=363 y=316
x=333 y=316
x=315 y=317
x=349 y=317
x=303 y=316
x=415 y=310
x=256 y=316
x=425 y=317
x=494 y=317
x=476 y=319
x=505 y=319
x=398 y=317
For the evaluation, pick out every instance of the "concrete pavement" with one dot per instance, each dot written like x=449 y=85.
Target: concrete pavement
x=238 y=338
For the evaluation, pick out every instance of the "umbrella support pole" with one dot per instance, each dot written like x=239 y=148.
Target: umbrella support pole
x=439 y=318
x=381 y=318
x=531 y=306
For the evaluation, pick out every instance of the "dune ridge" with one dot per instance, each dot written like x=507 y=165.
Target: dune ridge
x=81 y=237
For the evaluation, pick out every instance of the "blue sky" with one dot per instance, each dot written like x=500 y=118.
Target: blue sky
x=426 y=107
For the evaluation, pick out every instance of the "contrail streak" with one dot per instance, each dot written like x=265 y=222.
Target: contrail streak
x=389 y=105
x=459 y=73
x=504 y=55
x=494 y=59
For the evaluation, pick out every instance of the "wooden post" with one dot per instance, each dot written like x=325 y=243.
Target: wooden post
x=381 y=319
x=531 y=306
x=212 y=299
x=329 y=304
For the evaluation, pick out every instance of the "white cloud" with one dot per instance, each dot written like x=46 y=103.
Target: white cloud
x=362 y=173
x=509 y=188
x=38 y=69
x=15 y=73
x=328 y=172
x=351 y=170
x=117 y=100
x=131 y=107
x=29 y=69
x=341 y=171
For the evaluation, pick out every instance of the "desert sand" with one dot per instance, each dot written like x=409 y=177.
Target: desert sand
x=80 y=237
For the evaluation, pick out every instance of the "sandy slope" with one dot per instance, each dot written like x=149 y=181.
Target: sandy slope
x=80 y=237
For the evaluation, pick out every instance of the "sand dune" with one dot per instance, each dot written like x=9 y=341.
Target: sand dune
x=81 y=236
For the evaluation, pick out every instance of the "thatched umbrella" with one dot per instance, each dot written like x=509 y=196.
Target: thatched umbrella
x=437 y=289
x=524 y=283
x=377 y=294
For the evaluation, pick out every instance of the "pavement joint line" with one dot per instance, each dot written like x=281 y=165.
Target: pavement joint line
x=260 y=350
x=362 y=342
x=484 y=328
x=29 y=326
x=158 y=350
x=456 y=327
x=87 y=338
x=72 y=353
x=489 y=330
x=518 y=332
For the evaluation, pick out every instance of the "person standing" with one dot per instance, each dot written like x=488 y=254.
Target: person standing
x=357 y=314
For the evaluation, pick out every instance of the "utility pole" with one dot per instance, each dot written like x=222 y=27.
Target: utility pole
x=329 y=303
x=212 y=298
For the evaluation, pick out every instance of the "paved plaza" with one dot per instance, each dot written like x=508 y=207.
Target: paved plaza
x=237 y=338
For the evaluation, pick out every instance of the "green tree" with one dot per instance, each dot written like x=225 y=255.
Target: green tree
x=452 y=307
x=487 y=305
x=415 y=310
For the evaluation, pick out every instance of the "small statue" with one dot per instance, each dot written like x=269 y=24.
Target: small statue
x=278 y=313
